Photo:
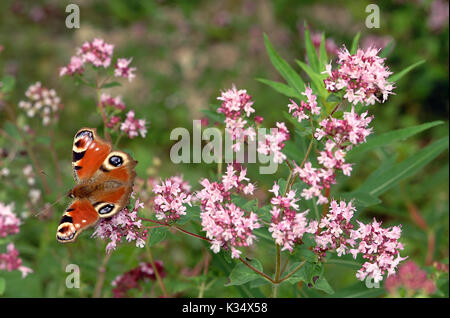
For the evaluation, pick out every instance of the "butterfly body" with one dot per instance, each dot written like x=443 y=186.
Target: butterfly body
x=104 y=179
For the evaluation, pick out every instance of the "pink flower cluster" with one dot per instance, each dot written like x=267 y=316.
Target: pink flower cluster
x=341 y=135
x=335 y=229
x=98 y=53
x=123 y=69
x=287 y=226
x=132 y=279
x=124 y=224
x=380 y=247
x=311 y=105
x=133 y=127
x=42 y=101
x=236 y=105
x=272 y=144
x=412 y=279
x=227 y=225
x=9 y=222
x=172 y=196
x=9 y=225
x=116 y=102
x=363 y=76
x=10 y=261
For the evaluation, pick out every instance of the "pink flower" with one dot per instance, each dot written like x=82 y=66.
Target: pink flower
x=10 y=261
x=335 y=229
x=122 y=69
x=172 y=197
x=42 y=101
x=124 y=224
x=97 y=52
x=363 y=76
x=133 y=127
x=131 y=279
x=273 y=143
x=9 y=222
x=115 y=102
x=227 y=225
x=380 y=247
x=236 y=105
x=411 y=278
x=288 y=226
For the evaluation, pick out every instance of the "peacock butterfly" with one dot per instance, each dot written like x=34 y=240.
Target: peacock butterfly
x=104 y=180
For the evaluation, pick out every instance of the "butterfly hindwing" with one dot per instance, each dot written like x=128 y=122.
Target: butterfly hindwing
x=78 y=216
x=116 y=174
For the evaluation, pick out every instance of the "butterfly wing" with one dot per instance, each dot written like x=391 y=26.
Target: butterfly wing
x=116 y=177
x=79 y=216
x=89 y=152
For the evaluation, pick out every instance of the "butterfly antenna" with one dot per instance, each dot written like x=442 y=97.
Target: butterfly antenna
x=48 y=206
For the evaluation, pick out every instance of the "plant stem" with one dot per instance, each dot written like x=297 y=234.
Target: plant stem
x=102 y=111
x=256 y=270
x=101 y=276
x=277 y=272
x=158 y=277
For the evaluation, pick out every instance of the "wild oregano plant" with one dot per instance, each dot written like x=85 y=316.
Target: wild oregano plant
x=308 y=222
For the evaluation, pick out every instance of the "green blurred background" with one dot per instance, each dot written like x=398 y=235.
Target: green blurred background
x=186 y=52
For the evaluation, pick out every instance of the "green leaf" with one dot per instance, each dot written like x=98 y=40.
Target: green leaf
x=355 y=43
x=387 y=49
x=2 y=286
x=8 y=84
x=404 y=169
x=111 y=84
x=332 y=98
x=304 y=274
x=399 y=75
x=362 y=199
x=311 y=51
x=285 y=70
x=214 y=116
x=157 y=235
x=242 y=274
x=323 y=57
x=322 y=284
x=391 y=136
x=281 y=88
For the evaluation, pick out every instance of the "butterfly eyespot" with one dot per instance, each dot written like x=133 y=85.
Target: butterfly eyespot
x=116 y=161
x=106 y=209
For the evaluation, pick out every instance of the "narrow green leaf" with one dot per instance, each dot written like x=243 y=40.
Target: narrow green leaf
x=323 y=57
x=404 y=169
x=111 y=84
x=355 y=43
x=316 y=79
x=281 y=88
x=285 y=70
x=399 y=75
x=387 y=49
x=311 y=51
x=391 y=136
